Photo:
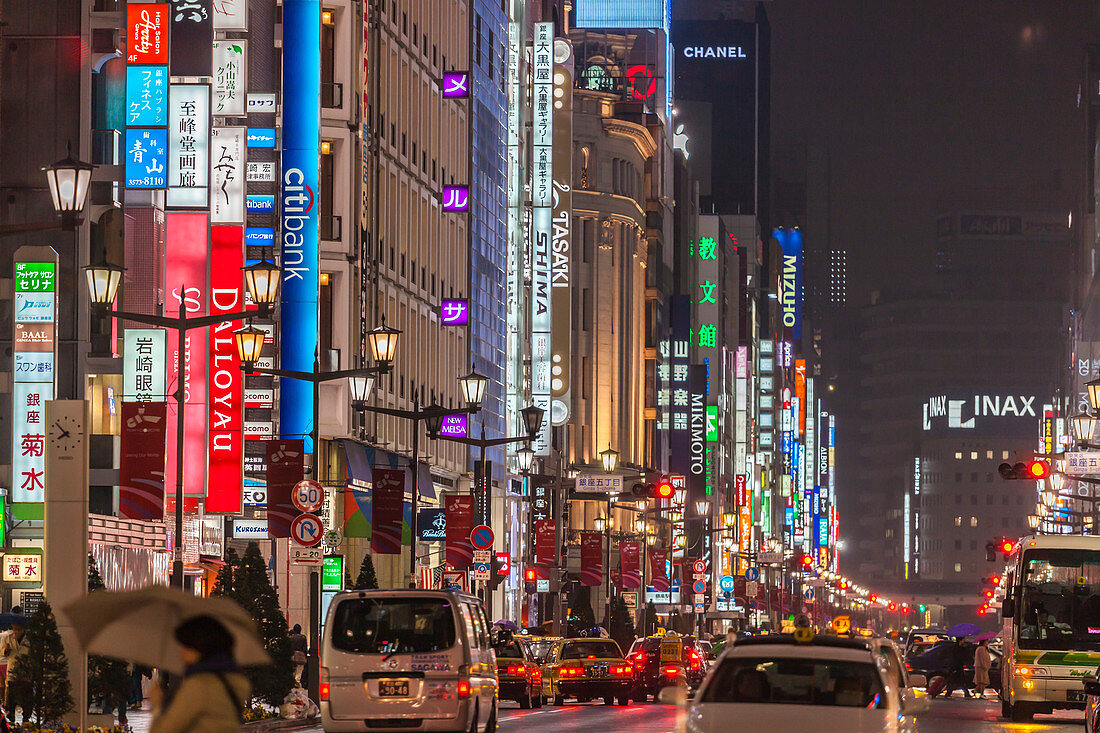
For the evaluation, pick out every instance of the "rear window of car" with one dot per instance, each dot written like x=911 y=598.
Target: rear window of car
x=509 y=649
x=796 y=681
x=585 y=649
x=393 y=625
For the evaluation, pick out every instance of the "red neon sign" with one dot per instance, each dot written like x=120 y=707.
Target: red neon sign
x=642 y=82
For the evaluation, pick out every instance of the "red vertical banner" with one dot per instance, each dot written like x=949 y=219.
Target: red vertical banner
x=225 y=443
x=386 y=507
x=285 y=468
x=185 y=282
x=591 y=558
x=141 y=461
x=658 y=570
x=629 y=554
x=459 y=511
x=545 y=540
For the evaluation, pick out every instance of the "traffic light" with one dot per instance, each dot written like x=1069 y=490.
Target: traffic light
x=873 y=598
x=1007 y=546
x=640 y=491
x=988 y=593
x=530 y=580
x=495 y=577
x=892 y=607
x=807 y=562
x=1032 y=470
x=991 y=551
x=844 y=585
x=995 y=580
x=922 y=608
x=663 y=489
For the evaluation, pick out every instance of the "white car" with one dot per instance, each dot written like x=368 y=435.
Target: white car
x=825 y=684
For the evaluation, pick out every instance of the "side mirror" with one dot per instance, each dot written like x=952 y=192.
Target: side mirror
x=1092 y=687
x=915 y=702
x=1008 y=607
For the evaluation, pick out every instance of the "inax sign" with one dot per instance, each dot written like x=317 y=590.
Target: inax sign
x=715 y=52
x=963 y=414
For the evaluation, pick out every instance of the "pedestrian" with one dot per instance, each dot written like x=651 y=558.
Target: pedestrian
x=299 y=646
x=211 y=696
x=138 y=674
x=12 y=644
x=958 y=656
x=982 y=663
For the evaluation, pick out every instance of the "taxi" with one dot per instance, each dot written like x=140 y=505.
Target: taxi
x=586 y=669
x=822 y=683
x=520 y=678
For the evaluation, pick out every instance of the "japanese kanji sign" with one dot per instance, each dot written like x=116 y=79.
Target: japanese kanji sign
x=455 y=312
x=146 y=158
x=147 y=34
x=188 y=145
x=143 y=365
x=229 y=77
x=588 y=483
x=33 y=355
x=22 y=568
x=192 y=36
x=146 y=96
x=227 y=179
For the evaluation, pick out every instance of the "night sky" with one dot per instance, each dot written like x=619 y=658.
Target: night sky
x=915 y=101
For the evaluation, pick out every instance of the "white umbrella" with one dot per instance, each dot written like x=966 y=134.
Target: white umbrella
x=138 y=626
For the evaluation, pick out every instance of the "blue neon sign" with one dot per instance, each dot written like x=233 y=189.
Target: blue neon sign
x=146 y=158
x=259 y=203
x=259 y=236
x=146 y=96
x=260 y=137
x=299 y=225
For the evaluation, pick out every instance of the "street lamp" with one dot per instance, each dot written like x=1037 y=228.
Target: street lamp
x=473 y=388
x=261 y=279
x=1057 y=481
x=103 y=282
x=525 y=458
x=532 y=419
x=610 y=459
x=383 y=343
x=69 y=181
x=702 y=508
x=1084 y=427
x=250 y=343
x=1033 y=521
x=361 y=388
x=599 y=523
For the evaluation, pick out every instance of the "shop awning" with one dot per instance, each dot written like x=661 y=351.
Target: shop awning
x=362 y=459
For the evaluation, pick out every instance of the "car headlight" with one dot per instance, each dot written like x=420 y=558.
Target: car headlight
x=1029 y=671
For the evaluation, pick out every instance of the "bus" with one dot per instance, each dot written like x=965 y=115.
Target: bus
x=1051 y=614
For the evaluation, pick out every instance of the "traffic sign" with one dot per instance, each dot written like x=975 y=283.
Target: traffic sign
x=505 y=560
x=333 y=537
x=751 y=588
x=752 y=603
x=482 y=555
x=481 y=571
x=699 y=586
x=699 y=607
x=306 y=529
x=727 y=583
x=700 y=566
x=808 y=594
x=542 y=585
x=699 y=576
x=306 y=555
x=308 y=496
x=769 y=558
x=482 y=537
x=752 y=573
x=454 y=580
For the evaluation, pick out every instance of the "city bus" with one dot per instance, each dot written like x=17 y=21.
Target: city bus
x=1051 y=614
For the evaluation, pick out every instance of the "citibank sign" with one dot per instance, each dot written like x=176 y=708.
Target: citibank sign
x=715 y=52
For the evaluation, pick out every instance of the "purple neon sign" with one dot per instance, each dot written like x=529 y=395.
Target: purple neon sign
x=454 y=426
x=456 y=85
x=456 y=198
x=455 y=312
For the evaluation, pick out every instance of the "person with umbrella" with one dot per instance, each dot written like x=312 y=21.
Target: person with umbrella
x=211 y=697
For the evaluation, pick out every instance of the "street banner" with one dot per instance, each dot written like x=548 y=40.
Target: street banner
x=591 y=558
x=545 y=539
x=657 y=560
x=387 y=506
x=629 y=553
x=141 y=463
x=285 y=468
x=460 y=522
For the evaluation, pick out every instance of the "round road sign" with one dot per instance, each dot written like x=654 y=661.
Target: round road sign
x=700 y=566
x=482 y=537
x=308 y=496
x=307 y=530
x=699 y=586
x=808 y=594
x=752 y=573
x=726 y=583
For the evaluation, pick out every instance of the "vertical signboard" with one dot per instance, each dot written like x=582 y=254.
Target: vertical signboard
x=34 y=347
x=562 y=223
x=790 y=281
x=230 y=85
x=545 y=541
x=141 y=460
x=225 y=443
x=459 y=511
x=230 y=15
x=146 y=96
x=629 y=554
x=658 y=569
x=301 y=156
x=147 y=33
x=192 y=38
x=285 y=467
x=680 y=386
x=387 y=507
x=146 y=158
x=186 y=283
x=227 y=179
x=591 y=558
x=188 y=144
x=542 y=192
x=143 y=365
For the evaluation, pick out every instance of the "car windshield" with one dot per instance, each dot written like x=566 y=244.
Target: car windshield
x=508 y=649
x=393 y=625
x=539 y=648
x=1059 y=607
x=584 y=649
x=920 y=643
x=796 y=681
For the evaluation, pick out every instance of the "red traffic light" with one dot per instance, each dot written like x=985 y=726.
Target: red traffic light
x=1038 y=470
x=807 y=561
x=530 y=576
x=989 y=594
x=995 y=580
x=663 y=489
x=844 y=585
x=873 y=598
x=893 y=607
x=1006 y=546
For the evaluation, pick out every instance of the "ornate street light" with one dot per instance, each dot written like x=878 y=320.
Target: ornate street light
x=69 y=181
x=702 y=508
x=600 y=524
x=1094 y=393
x=383 y=344
x=103 y=281
x=609 y=458
x=525 y=458
x=1084 y=427
x=434 y=420
x=262 y=282
x=532 y=419
x=250 y=343
x=360 y=389
x=1048 y=498
x=473 y=388
x=1057 y=481
x=1033 y=521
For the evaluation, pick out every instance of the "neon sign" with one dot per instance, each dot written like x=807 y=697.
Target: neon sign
x=642 y=82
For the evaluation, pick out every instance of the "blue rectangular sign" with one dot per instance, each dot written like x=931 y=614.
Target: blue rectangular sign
x=146 y=158
x=146 y=96
x=299 y=226
x=260 y=137
x=260 y=203
x=259 y=236
x=621 y=14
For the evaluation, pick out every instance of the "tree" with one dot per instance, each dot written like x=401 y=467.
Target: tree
x=38 y=676
x=252 y=589
x=367 y=580
x=108 y=679
x=621 y=625
x=224 y=582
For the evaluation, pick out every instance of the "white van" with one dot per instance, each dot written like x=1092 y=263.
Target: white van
x=401 y=660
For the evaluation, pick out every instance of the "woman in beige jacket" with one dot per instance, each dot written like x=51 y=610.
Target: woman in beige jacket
x=212 y=696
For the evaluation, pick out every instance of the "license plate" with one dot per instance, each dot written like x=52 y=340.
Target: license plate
x=1076 y=696
x=599 y=670
x=393 y=688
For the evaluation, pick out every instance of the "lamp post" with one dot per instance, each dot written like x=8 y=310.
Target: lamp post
x=69 y=180
x=473 y=390
x=262 y=282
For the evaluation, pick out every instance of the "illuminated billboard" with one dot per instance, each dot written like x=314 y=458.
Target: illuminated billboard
x=621 y=14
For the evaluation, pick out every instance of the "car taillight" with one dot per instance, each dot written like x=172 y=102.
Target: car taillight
x=639 y=658
x=464 y=688
x=671 y=670
x=536 y=673
x=621 y=670
x=322 y=687
x=571 y=671
x=908 y=667
x=515 y=670
x=695 y=664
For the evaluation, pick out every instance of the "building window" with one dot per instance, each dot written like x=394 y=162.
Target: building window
x=974 y=455
x=958 y=567
x=1004 y=455
x=974 y=521
x=958 y=544
x=958 y=521
x=958 y=455
x=989 y=454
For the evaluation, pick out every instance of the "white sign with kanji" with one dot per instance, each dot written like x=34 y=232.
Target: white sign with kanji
x=22 y=568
